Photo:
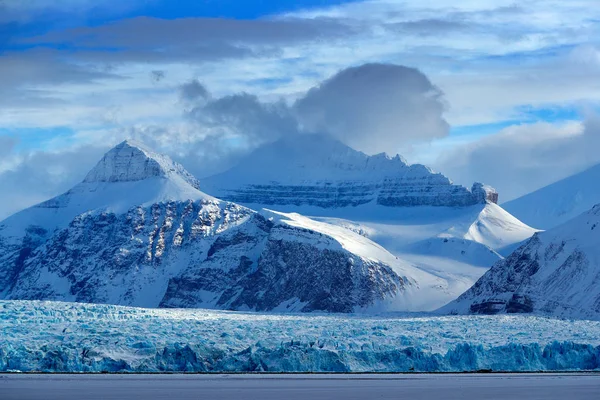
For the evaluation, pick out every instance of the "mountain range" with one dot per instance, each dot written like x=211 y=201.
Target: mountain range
x=320 y=171
x=305 y=224
x=557 y=273
x=138 y=231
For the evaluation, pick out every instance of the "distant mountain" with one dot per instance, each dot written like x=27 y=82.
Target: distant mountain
x=138 y=231
x=419 y=215
x=556 y=273
x=317 y=170
x=559 y=202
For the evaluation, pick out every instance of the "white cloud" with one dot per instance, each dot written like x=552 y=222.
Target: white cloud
x=523 y=158
x=375 y=108
x=489 y=58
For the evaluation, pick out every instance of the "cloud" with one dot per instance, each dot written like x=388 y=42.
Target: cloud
x=375 y=107
x=157 y=75
x=38 y=176
x=43 y=66
x=7 y=144
x=490 y=58
x=26 y=79
x=193 y=91
x=158 y=33
x=522 y=158
x=242 y=116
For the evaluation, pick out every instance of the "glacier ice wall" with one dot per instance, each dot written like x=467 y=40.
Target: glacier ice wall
x=64 y=337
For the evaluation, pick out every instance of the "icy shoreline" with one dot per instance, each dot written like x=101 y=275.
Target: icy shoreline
x=65 y=337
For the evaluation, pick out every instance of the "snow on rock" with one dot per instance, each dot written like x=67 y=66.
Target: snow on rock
x=132 y=161
x=559 y=202
x=67 y=337
x=137 y=231
x=317 y=170
x=556 y=272
x=444 y=229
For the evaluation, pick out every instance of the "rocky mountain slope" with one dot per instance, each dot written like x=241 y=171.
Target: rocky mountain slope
x=556 y=272
x=317 y=170
x=559 y=202
x=138 y=231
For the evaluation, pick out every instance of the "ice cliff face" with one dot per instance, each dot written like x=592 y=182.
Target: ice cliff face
x=317 y=170
x=60 y=337
x=556 y=272
x=137 y=231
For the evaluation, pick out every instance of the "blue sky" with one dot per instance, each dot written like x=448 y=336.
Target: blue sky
x=77 y=76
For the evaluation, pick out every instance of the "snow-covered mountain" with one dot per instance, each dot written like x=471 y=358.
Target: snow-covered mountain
x=317 y=170
x=418 y=215
x=138 y=231
x=556 y=272
x=559 y=202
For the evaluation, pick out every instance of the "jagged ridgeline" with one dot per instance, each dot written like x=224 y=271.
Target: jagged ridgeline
x=317 y=170
x=138 y=231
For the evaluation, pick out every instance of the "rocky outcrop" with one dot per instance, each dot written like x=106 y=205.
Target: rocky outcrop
x=200 y=254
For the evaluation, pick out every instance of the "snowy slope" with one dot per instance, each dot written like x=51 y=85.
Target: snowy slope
x=62 y=337
x=556 y=272
x=416 y=214
x=559 y=202
x=456 y=244
x=137 y=231
x=129 y=175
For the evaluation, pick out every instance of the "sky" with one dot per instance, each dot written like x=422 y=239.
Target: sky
x=502 y=92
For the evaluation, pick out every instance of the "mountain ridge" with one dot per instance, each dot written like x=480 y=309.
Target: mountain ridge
x=137 y=231
x=558 y=202
x=317 y=170
x=556 y=272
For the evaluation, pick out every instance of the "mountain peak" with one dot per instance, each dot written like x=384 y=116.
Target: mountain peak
x=319 y=170
x=131 y=161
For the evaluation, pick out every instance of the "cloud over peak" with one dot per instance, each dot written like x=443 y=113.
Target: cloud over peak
x=375 y=107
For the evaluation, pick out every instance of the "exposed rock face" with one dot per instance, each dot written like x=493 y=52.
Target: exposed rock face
x=131 y=161
x=556 y=272
x=484 y=193
x=317 y=170
x=138 y=232
x=199 y=254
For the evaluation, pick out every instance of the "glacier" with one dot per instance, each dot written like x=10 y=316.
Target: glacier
x=70 y=337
